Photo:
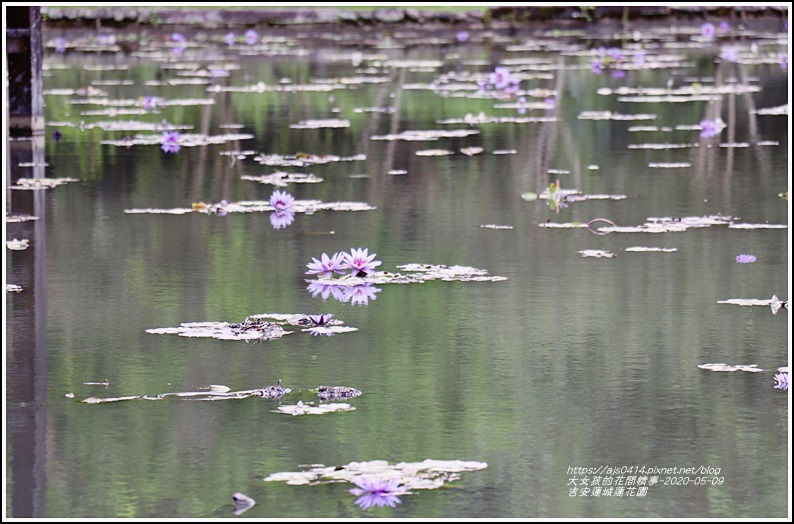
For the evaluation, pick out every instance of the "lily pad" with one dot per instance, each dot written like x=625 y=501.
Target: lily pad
x=609 y=115
x=415 y=273
x=758 y=226
x=481 y=118
x=304 y=159
x=318 y=124
x=309 y=409
x=186 y=140
x=426 y=135
x=41 y=183
x=573 y=195
x=17 y=245
x=777 y=110
x=597 y=253
x=97 y=400
x=337 y=392
x=281 y=179
x=429 y=474
x=471 y=151
x=246 y=330
x=660 y=146
x=20 y=218
x=495 y=226
x=669 y=165
x=298 y=206
x=774 y=303
x=752 y=368
x=651 y=249
x=213 y=392
x=434 y=152
x=254 y=327
x=660 y=224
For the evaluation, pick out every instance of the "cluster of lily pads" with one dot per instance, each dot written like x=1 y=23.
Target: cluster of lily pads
x=274 y=392
x=256 y=329
x=379 y=483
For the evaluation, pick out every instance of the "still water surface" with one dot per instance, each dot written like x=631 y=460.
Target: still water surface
x=570 y=362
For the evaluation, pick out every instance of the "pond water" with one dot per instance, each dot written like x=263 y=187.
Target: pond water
x=570 y=361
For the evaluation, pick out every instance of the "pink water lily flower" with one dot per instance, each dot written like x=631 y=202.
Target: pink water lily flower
x=281 y=200
x=326 y=266
x=376 y=492
x=360 y=261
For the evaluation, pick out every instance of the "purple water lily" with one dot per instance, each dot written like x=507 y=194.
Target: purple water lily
x=181 y=42
x=745 y=258
x=149 y=102
x=616 y=53
x=219 y=208
x=281 y=200
x=501 y=78
x=327 y=266
x=781 y=381
x=326 y=290
x=360 y=261
x=251 y=37
x=710 y=128
x=57 y=135
x=321 y=320
x=60 y=44
x=360 y=295
x=462 y=36
x=281 y=219
x=729 y=54
x=376 y=492
x=108 y=39
x=724 y=27
x=596 y=66
x=229 y=38
x=707 y=30
x=170 y=142
x=321 y=331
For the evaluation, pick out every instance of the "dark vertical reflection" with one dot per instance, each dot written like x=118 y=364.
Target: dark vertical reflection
x=26 y=349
